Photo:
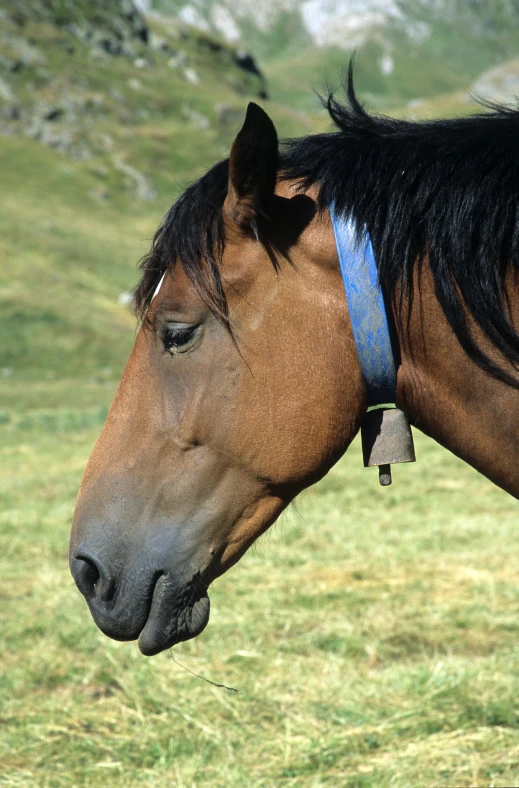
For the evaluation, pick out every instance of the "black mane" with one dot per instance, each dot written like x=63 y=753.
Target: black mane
x=193 y=233
x=447 y=190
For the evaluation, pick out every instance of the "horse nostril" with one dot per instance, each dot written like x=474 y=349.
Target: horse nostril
x=91 y=579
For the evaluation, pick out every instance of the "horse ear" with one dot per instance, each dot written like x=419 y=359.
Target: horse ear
x=252 y=168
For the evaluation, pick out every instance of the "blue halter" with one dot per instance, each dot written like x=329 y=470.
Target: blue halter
x=367 y=310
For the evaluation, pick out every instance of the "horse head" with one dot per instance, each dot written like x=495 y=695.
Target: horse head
x=242 y=389
x=244 y=385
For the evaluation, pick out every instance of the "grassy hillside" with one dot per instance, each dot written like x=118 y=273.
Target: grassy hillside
x=373 y=633
x=385 y=92
x=424 y=49
x=392 y=69
x=97 y=146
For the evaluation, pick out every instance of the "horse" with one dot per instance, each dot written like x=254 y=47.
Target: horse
x=244 y=385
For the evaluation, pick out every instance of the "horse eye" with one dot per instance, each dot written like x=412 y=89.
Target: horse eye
x=177 y=339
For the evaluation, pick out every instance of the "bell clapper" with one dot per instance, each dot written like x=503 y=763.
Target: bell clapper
x=384 y=475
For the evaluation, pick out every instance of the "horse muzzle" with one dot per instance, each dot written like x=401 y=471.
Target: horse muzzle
x=156 y=605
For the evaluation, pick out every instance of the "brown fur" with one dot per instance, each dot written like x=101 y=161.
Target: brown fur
x=202 y=450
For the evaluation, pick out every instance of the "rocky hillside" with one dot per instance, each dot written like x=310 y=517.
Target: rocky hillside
x=342 y=23
x=78 y=76
x=285 y=23
x=105 y=115
x=107 y=111
x=408 y=49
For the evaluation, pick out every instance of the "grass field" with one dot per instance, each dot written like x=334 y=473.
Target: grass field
x=373 y=636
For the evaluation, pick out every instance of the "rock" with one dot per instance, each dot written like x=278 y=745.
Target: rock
x=6 y=93
x=53 y=114
x=135 y=84
x=246 y=61
x=159 y=44
x=191 y=75
x=196 y=117
x=125 y=299
x=180 y=60
x=12 y=113
x=100 y=193
x=143 y=189
x=228 y=115
x=499 y=83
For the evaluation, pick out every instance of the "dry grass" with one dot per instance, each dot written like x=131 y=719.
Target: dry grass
x=372 y=635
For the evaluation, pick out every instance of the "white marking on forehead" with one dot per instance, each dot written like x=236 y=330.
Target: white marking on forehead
x=158 y=286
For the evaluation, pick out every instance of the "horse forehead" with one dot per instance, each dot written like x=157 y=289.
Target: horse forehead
x=175 y=292
x=176 y=288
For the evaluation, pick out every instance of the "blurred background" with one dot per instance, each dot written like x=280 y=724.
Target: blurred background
x=373 y=633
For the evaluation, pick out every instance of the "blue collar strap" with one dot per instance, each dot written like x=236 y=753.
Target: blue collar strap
x=367 y=310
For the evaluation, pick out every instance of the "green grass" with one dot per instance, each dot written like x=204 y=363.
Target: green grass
x=72 y=230
x=317 y=68
x=462 y=40
x=435 y=48
x=372 y=635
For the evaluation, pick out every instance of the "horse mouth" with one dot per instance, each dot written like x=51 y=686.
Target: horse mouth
x=175 y=615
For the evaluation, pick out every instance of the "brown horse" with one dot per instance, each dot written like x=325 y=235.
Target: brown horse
x=244 y=385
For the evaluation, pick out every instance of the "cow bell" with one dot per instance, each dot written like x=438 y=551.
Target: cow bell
x=386 y=438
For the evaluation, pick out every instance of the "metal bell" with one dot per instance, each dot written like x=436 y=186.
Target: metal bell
x=386 y=438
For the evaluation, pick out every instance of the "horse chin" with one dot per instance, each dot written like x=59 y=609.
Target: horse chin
x=175 y=615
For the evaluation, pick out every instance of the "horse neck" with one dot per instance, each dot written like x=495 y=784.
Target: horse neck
x=447 y=396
